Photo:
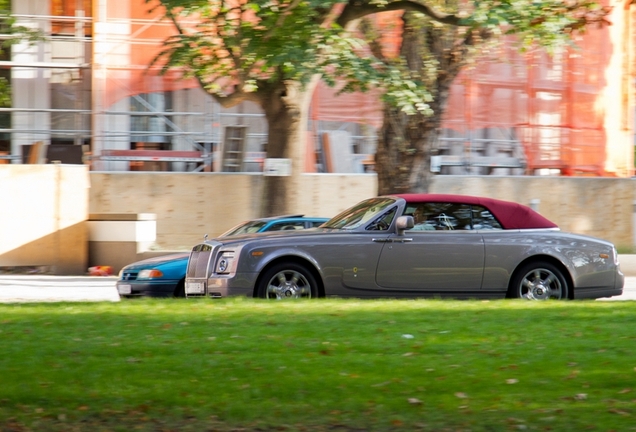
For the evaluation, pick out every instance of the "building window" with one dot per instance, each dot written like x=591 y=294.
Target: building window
x=66 y=12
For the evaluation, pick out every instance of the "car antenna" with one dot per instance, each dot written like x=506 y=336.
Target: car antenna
x=205 y=237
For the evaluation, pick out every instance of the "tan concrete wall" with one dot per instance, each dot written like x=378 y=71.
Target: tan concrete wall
x=44 y=208
x=43 y=212
x=600 y=207
x=189 y=205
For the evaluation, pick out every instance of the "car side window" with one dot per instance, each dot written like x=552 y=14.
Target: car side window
x=440 y=216
x=383 y=222
x=483 y=219
x=451 y=217
x=285 y=226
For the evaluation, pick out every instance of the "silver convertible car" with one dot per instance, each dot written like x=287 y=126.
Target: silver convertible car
x=412 y=245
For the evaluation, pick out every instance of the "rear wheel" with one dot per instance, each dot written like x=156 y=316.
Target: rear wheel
x=287 y=281
x=539 y=281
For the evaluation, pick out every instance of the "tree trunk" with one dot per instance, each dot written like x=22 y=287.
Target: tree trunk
x=406 y=142
x=286 y=107
x=403 y=153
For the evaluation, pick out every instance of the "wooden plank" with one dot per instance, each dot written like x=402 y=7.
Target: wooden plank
x=153 y=153
x=338 y=151
x=34 y=154
x=326 y=152
x=154 y=156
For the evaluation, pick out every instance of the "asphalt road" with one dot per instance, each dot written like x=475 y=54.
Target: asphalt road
x=44 y=288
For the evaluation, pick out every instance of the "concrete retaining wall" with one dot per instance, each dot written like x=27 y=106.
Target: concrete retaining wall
x=44 y=208
x=120 y=238
x=189 y=205
x=600 y=207
x=43 y=212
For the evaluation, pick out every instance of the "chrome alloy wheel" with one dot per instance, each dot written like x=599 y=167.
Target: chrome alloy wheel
x=541 y=284
x=288 y=284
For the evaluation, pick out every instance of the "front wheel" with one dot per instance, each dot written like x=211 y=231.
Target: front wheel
x=539 y=281
x=287 y=281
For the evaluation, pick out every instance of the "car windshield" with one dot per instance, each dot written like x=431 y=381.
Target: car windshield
x=245 y=228
x=359 y=214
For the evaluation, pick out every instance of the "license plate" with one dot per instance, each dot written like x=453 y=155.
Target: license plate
x=194 y=287
x=124 y=289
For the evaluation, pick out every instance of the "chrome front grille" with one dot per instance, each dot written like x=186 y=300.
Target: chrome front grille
x=198 y=262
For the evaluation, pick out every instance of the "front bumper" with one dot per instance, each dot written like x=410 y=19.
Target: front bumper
x=219 y=286
x=602 y=292
x=147 y=288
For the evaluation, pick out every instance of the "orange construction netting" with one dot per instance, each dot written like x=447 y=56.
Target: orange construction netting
x=553 y=105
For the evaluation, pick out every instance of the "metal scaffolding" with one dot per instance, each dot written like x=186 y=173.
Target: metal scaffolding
x=89 y=84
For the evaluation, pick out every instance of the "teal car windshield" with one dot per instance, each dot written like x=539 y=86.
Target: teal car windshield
x=246 y=228
x=359 y=215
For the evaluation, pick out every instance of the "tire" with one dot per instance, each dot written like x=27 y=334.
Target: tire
x=287 y=281
x=179 y=291
x=539 y=281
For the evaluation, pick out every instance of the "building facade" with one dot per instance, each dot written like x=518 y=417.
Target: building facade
x=86 y=93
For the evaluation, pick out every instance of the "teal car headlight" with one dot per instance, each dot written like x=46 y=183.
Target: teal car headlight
x=150 y=274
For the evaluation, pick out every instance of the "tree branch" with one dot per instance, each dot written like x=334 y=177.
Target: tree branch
x=229 y=100
x=280 y=22
x=370 y=33
x=355 y=10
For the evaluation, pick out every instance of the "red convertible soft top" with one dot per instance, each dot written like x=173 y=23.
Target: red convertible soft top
x=510 y=215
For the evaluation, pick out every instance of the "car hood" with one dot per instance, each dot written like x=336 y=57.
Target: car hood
x=164 y=259
x=309 y=232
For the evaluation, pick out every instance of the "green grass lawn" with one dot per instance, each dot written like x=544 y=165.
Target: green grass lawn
x=332 y=365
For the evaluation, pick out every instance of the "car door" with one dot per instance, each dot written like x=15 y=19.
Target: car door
x=358 y=253
x=442 y=253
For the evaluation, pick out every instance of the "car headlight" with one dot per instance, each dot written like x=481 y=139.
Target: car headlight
x=225 y=262
x=149 y=274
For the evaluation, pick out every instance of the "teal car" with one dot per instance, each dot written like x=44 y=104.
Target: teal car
x=164 y=276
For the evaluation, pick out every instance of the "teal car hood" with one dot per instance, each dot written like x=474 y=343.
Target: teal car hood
x=160 y=260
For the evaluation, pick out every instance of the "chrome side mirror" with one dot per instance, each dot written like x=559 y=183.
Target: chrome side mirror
x=404 y=223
